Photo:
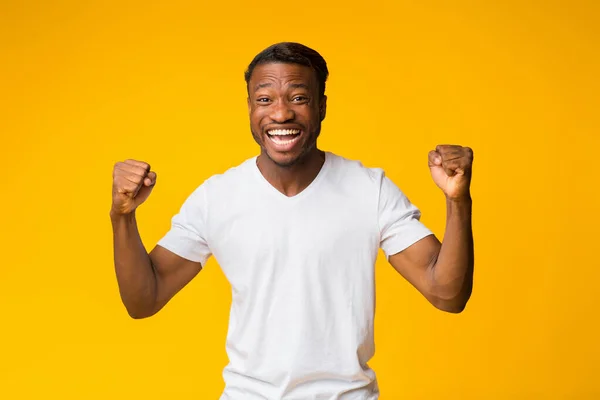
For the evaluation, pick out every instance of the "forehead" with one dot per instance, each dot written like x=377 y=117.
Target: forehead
x=282 y=74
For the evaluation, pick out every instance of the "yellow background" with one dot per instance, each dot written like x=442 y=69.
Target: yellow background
x=84 y=84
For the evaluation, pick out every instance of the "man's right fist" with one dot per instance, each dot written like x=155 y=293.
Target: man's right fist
x=132 y=183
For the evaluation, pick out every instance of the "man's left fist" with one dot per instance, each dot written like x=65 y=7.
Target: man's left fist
x=450 y=167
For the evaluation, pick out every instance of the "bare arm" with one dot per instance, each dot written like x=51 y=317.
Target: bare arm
x=443 y=273
x=146 y=281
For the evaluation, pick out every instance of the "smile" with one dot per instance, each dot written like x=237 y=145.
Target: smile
x=284 y=137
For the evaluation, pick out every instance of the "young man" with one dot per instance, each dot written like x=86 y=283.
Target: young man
x=296 y=231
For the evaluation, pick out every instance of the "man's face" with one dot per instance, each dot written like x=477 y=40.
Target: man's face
x=285 y=111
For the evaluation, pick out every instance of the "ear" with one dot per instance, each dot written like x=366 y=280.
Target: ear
x=323 y=107
x=249 y=107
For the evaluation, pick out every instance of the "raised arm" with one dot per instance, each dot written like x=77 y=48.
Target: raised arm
x=146 y=281
x=443 y=273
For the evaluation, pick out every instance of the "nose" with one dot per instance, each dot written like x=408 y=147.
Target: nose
x=281 y=112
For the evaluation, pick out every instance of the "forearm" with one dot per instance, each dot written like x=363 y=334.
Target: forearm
x=135 y=274
x=452 y=272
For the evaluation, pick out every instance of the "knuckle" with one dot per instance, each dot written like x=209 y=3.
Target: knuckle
x=118 y=182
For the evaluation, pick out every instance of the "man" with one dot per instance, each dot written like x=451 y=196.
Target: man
x=296 y=231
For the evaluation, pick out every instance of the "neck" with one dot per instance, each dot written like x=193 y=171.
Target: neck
x=293 y=179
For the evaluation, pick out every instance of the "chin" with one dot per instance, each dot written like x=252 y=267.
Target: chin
x=284 y=161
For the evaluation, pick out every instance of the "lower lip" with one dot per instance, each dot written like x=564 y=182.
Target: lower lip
x=285 y=146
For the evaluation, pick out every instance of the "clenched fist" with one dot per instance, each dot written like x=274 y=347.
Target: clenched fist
x=450 y=167
x=132 y=183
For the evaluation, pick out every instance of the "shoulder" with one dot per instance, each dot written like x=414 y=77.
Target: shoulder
x=235 y=174
x=354 y=171
x=225 y=182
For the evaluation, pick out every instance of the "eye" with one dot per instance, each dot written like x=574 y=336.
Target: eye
x=263 y=100
x=299 y=99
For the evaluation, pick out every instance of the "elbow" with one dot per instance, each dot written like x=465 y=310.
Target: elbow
x=138 y=306
x=138 y=315
x=450 y=298
x=452 y=304
x=451 y=307
x=136 y=312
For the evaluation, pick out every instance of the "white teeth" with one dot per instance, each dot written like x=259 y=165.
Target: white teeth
x=283 y=132
x=279 y=141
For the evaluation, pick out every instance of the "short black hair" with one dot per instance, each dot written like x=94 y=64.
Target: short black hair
x=291 y=53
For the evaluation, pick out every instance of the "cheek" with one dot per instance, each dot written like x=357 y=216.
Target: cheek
x=315 y=113
x=256 y=116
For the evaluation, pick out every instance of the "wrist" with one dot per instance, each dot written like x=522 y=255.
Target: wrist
x=461 y=199
x=459 y=207
x=117 y=217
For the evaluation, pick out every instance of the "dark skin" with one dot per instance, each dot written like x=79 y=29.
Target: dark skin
x=146 y=281
x=443 y=272
x=286 y=96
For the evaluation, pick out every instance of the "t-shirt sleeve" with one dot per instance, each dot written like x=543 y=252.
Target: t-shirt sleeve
x=187 y=235
x=399 y=219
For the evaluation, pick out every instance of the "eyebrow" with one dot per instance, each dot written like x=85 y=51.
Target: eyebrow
x=292 y=85
x=298 y=85
x=262 y=85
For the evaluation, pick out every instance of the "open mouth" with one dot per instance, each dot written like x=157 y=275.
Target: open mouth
x=284 y=137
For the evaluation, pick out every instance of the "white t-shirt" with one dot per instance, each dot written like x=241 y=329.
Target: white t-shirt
x=302 y=272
